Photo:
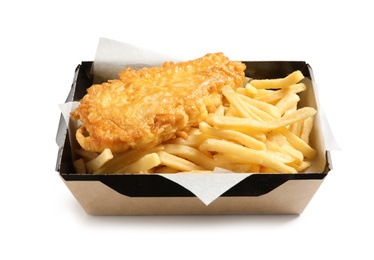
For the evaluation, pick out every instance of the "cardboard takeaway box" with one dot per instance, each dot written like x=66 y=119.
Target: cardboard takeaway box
x=131 y=194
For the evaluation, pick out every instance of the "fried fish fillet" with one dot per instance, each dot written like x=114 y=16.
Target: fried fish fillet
x=145 y=107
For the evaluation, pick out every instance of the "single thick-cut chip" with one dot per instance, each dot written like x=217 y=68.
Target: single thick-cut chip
x=291 y=79
x=99 y=161
x=177 y=162
x=142 y=165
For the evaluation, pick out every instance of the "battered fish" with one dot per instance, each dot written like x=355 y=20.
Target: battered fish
x=145 y=107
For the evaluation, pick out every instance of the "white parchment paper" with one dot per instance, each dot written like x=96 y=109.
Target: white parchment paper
x=113 y=56
x=207 y=186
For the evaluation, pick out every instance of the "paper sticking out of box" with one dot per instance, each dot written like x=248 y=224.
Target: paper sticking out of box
x=113 y=56
x=207 y=187
x=331 y=144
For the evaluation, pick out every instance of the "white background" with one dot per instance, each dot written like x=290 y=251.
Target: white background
x=42 y=42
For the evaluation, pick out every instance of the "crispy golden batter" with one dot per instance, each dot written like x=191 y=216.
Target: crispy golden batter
x=148 y=106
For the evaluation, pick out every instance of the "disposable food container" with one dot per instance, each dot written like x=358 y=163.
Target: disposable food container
x=153 y=194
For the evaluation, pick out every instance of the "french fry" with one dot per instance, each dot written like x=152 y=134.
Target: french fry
x=234 y=159
x=266 y=170
x=297 y=127
x=255 y=168
x=241 y=91
x=281 y=145
x=307 y=127
x=251 y=108
x=142 y=165
x=287 y=81
x=99 y=161
x=301 y=166
x=120 y=160
x=273 y=96
x=288 y=102
x=193 y=140
x=235 y=167
x=176 y=162
x=220 y=110
x=86 y=155
x=234 y=163
x=228 y=158
x=268 y=111
x=165 y=169
x=80 y=166
x=241 y=108
x=298 y=143
x=250 y=91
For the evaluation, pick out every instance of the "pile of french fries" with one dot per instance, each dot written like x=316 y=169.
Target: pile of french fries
x=258 y=129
